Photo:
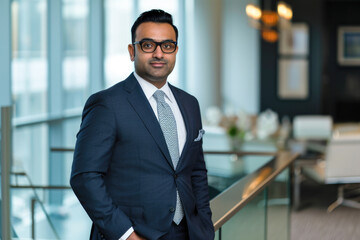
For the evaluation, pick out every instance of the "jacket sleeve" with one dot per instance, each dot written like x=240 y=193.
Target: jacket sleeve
x=200 y=188
x=92 y=155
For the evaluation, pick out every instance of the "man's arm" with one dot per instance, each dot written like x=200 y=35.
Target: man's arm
x=200 y=185
x=201 y=192
x=93 y=151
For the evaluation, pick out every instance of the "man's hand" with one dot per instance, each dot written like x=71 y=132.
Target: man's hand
x=134 y=236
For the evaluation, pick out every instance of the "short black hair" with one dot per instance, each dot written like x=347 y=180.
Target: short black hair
x=154 y=15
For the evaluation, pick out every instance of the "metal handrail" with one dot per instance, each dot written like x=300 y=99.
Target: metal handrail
x=6 y=155
x=45 y=187
x=238 y=153
x=227 y=204
x=20 y=122
x=62 y=149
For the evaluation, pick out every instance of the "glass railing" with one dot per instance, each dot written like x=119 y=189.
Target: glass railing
x=256 y=205
x=246 y=224
x=39 y=202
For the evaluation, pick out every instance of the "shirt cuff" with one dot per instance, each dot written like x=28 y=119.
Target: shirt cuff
x=127 y=234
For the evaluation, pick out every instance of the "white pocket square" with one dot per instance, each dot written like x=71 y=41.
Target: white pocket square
x=199 y=137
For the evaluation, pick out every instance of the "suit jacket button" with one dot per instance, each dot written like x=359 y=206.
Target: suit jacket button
x=175 y=176
x=172 y=209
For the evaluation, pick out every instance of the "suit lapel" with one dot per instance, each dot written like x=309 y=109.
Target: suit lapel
x=141 y=105
x=185 y=114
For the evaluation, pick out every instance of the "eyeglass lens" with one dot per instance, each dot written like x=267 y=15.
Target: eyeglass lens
x=166 y=46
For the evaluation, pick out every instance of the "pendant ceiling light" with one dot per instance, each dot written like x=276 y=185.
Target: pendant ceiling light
x=270 y=22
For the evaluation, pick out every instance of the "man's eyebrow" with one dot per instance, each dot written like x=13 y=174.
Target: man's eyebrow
x=150 y=39
x=147 y=39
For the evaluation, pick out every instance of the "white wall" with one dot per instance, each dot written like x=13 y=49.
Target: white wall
x=223 y=55
x=241 y=58
x=204 y=52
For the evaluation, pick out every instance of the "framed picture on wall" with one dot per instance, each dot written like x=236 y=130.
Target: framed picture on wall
x=348 y=47
x=294 y=40
x=293 y=78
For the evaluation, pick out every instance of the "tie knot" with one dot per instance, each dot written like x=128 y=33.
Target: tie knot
x=159 y=96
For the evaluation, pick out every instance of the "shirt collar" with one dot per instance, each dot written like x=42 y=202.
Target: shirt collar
x=149 y=89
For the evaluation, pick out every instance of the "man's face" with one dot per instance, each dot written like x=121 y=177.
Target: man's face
x=153 y=67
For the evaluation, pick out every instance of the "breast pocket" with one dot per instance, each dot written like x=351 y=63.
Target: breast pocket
x=196 y=144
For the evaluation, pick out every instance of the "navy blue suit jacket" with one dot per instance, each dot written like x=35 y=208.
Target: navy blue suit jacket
x=122 y=172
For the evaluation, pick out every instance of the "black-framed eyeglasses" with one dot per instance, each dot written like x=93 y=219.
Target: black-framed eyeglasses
x=149 y=45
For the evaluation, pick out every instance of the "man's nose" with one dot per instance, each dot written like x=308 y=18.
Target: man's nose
x=158 y=52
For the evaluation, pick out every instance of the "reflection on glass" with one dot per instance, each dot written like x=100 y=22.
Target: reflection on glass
x=75 y=63
x=255 y=182
x=29 y=63
x=224 y=170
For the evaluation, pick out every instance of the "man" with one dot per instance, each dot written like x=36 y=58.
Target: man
x=138 y=167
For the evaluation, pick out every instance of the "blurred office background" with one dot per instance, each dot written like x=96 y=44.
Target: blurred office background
x=55 y=53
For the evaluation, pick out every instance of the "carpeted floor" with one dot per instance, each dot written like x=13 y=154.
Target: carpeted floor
x=313 y=222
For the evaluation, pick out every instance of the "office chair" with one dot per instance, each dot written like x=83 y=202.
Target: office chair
x=340 y=165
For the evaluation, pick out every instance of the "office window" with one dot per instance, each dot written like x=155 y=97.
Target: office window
x=170 y=6
x=29 y=92
x=29 y=62
x=75 y=52
x=118 y=21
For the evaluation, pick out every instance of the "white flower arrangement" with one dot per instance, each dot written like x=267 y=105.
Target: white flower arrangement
x=236 y=124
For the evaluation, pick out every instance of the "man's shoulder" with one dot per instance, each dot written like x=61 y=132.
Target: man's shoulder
x=111 y=94
x=106 y=95
x=183 y=95
x=115 y=90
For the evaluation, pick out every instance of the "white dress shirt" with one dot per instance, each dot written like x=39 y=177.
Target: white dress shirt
x=149 y=90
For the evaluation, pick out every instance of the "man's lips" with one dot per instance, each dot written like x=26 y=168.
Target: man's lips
x=157 y=64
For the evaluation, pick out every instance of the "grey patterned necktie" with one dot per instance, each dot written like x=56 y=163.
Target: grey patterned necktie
x=168 y=126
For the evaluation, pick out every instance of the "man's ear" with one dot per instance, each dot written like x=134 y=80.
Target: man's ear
x=131 y=50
